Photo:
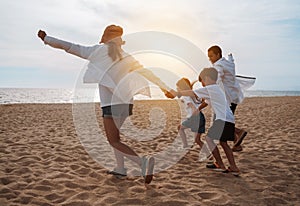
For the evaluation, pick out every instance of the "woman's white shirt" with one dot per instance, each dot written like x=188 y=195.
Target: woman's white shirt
x=118 y=81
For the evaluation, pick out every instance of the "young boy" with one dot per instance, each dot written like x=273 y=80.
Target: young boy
x=223 y=125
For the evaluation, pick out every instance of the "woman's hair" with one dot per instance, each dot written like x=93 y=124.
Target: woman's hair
x=111 y=32
x=184 y=84
x=210 y=72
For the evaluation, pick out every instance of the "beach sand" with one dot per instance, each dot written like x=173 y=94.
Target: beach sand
x=43 y=161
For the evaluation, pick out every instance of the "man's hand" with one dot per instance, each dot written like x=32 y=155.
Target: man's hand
x=42 y=34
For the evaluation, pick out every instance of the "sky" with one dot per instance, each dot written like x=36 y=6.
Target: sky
x=264 y=36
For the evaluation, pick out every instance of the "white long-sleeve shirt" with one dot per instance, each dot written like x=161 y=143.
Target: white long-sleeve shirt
x=215 y=97
x=118 y=81
x=227 y=80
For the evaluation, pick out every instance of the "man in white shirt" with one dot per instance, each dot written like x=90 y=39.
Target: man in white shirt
x=227 y=80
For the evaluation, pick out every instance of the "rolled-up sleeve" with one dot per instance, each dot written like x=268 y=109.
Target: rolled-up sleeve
x=75 y=49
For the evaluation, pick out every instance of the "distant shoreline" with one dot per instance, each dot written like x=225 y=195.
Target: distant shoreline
x=138 y=100
x=57 y=96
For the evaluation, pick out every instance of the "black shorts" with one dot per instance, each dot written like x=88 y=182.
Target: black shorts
x=118 y=110
x=233 y=107
x=221 y=130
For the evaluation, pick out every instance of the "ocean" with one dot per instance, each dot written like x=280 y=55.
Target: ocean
x=46 y=96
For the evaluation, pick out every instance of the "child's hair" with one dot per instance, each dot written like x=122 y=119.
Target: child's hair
x=184 y=84
x=210 y=72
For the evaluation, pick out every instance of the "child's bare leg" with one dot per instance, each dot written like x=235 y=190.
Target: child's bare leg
x=203 y=147
x=215 y=151
x=198 y=140
x=229 y=155
x=183 y=135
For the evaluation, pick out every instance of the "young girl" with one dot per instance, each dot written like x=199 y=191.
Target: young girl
x=195 y=118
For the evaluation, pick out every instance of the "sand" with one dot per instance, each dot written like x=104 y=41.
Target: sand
x=43 y=162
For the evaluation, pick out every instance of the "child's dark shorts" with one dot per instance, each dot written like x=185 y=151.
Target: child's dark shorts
x=221 y=130
x=196 y=123
x=117 y=111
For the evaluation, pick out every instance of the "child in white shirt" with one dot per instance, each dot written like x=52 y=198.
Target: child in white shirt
x=223 y=125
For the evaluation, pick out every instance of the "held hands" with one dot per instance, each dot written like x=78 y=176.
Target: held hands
x=171 y=94
x=168 y=93
x=42 y=34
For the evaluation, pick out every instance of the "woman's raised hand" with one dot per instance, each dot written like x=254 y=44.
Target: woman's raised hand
x=41 y=34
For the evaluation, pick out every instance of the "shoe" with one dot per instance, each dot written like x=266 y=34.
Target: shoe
x=237 y=148
x=235 y=173
x=241 y=135
x=225 y=171
x=215 y=167
x=120 y=174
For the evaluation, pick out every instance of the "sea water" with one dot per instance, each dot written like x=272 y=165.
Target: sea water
x=46 y=96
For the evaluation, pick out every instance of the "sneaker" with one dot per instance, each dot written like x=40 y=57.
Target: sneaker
x=213 y=165
x=118 y=173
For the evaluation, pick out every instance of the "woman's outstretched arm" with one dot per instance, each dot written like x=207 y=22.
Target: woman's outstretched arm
x=75 y=49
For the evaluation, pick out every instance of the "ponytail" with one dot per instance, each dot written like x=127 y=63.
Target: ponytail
x=114 y=51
